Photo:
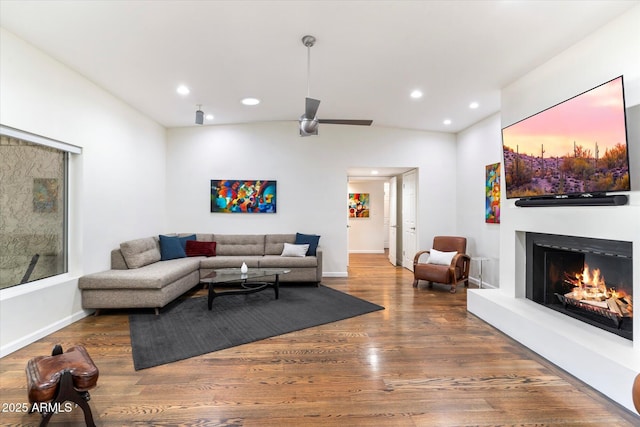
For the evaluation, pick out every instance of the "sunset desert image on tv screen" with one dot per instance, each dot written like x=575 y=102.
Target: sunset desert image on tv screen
x=578 y=146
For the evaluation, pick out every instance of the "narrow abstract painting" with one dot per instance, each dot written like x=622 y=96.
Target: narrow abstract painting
x=358 y=205
x=492 y=194
x=243 y=196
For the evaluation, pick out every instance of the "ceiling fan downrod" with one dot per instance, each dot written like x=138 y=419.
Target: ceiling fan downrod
x=308 y=41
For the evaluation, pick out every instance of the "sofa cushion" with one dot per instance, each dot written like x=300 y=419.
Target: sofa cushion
x=204 y=237
x=153 y=276
x=276 y=261
x=140 y=252
x=196 y=248
x=310 y=239
x=239 y=244
x=225 y=261
x=274 y=243
x=294 y=250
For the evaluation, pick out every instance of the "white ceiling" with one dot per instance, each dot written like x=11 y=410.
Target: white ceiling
x=368 y=57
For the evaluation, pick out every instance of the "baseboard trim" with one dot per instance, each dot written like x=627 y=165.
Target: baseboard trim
x=485 y=285
x=335 y=274
x=41 y=333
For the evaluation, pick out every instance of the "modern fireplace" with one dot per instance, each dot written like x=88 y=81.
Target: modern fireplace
x=588 y=279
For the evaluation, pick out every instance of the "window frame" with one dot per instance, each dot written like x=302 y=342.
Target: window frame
x=68 y=150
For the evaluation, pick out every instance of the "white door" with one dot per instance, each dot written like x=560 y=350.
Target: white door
x=346 y=211
x=409 y=206
x=386 y=215
x=393 y=220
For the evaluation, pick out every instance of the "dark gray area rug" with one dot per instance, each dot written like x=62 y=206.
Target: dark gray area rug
x=186 y=328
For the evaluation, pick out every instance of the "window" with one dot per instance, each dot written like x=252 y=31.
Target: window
x=33 y=206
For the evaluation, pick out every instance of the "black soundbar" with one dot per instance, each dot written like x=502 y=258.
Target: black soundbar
x=615 y=200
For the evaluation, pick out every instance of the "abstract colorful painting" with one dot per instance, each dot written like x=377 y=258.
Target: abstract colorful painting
x=45 y=195
x=492 y=194
x=358 y=205
x=243 y=196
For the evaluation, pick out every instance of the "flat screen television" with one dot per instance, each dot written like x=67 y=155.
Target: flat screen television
x=575 y=148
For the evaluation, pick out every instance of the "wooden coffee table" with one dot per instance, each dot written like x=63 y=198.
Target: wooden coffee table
x=246 y=282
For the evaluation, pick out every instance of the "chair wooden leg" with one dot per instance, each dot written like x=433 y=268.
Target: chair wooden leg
x=453 y=289
x=65 y=393
x=45 y=419
x=415 y=283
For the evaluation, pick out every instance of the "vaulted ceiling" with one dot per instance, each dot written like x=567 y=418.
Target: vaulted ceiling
x=368 y=58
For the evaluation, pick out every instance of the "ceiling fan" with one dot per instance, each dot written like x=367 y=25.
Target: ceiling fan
x=309 y=121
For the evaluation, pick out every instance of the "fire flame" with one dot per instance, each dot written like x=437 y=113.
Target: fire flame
x=590 y=286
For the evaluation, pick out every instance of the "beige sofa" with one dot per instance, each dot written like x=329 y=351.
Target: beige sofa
x=139 y=278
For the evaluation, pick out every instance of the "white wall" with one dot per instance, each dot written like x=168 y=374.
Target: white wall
x=478 y=146
x=312 y=178
x=572 y=345
x=367 y=235
x=117 y=183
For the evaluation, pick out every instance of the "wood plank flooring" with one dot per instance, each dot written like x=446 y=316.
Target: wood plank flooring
x=423 y=361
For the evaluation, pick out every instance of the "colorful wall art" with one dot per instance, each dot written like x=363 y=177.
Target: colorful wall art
x=492 y=194
x=358 y=205
x=243 y=196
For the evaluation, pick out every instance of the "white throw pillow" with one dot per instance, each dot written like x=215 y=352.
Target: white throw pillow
x=295 y=250
x=440 y=258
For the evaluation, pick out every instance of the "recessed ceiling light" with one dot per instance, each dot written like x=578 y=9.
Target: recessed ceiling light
x=183 y=90
x=374 y=172
x=474 y=105
x=447 y=121
x=209 y=117
x=251 y=101
x=416 y=94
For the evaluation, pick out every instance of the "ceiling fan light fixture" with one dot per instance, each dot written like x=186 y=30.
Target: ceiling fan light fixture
x=308 y=126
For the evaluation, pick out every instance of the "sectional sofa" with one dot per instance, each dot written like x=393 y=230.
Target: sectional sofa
x=153 y=271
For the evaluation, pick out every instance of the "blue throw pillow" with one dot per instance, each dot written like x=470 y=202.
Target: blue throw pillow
x=308 y=239
x=172 y=247
x=183 y=240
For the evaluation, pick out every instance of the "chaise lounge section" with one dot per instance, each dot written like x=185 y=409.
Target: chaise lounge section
x=140 y=278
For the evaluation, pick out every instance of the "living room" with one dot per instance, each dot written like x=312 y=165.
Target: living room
x=137 y=178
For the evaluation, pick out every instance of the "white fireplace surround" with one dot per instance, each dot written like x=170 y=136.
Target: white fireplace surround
x=575 y=346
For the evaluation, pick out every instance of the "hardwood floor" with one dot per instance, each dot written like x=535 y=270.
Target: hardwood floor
x=423 y=361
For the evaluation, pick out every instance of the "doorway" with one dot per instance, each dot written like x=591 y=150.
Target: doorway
x=393 y=211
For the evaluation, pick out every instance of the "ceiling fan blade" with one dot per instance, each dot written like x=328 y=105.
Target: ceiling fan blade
x=311 y=107
x=346 y=122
